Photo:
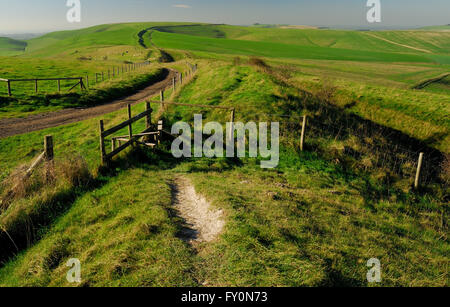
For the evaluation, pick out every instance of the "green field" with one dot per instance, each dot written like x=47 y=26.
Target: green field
x=313 y=221
x=277 y=50
x=374 y=69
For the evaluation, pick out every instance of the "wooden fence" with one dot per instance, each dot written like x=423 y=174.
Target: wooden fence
x=36 y=80
x=131 y=138
x=114 y=72
x=147 y=137
x=83 y=82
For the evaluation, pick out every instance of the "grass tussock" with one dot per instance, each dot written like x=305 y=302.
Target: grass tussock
x=30 y=202
x=71 y=170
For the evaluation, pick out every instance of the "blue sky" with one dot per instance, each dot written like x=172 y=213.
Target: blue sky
x=18 y=16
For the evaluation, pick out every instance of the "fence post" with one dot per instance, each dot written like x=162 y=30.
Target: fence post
x=161 y=98
x=48 y=147
x=160 y=129
x=36 y=85
x=102 y=143
x=58 y=84
x=113 y=144
x=9 y=87
x=130 y=128
x=419 y=168
x=103 y=78
x=87 y=81
x=81 y=84
x=302 y=140
x=231 y=132
x=96 y=77
x=149 y=115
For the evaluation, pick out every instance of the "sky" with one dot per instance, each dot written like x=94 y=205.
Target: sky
x=33 y=16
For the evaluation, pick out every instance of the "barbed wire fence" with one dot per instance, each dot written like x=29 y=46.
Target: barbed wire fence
x=371 y=146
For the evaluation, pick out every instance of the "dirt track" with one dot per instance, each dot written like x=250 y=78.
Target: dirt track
x=202 y=222
x=14 y=126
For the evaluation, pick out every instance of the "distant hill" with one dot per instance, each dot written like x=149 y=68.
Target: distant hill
x=437 y=28
x=9 y=46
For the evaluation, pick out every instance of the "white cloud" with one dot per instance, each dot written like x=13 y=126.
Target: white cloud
x=182 y=6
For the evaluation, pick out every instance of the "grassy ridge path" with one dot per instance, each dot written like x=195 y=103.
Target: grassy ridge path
x=15 y=126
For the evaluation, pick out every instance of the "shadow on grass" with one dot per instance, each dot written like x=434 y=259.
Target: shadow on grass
x=25 y=228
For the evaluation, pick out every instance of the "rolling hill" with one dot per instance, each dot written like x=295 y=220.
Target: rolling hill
x=382 y=41
x=9 y=46
x=313 y=221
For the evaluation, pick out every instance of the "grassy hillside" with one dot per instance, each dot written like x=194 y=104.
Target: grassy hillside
x=9 y=46
x=384 y=41
x=146 y=251
x=79 y=53
x=89 y=39
x=314 y=221
x=276 y=50
x=376 y=84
